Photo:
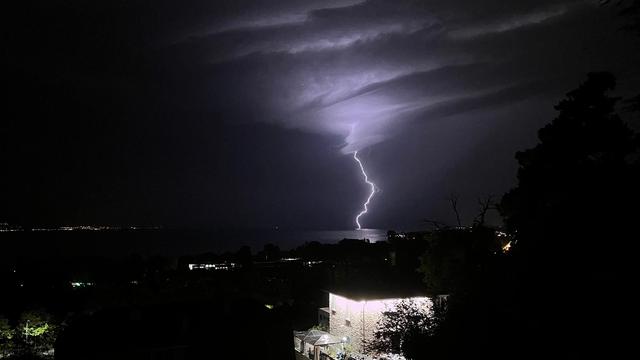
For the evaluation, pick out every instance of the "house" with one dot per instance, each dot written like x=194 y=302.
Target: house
x=355 y=317
x=351 y=320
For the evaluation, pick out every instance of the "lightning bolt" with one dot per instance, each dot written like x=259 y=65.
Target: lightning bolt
x=373 y=190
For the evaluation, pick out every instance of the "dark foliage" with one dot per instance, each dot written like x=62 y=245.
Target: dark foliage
x=241 y=329
x=574 y=212
x=457 y=258
x=561 y=289
x=576 y=200
x=404 y=329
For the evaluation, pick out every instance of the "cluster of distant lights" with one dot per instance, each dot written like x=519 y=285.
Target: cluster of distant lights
x=312 y=263
x=290 y=259
x=5 y=227
x=79 y=228
x=506 y=239
x=232 y=266
x=81 y=284
x=97 y=228
x=308 y=263
x=214 y=267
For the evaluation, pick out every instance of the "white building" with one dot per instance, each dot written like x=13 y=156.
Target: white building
x=354 y=318
x=351 y=319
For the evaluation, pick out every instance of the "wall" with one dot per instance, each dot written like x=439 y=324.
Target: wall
x=363 y=317
x=323 y=318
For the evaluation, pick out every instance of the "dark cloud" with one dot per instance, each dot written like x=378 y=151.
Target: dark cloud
x=240 y=112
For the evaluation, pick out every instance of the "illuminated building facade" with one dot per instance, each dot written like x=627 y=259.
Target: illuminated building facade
x=354 y=319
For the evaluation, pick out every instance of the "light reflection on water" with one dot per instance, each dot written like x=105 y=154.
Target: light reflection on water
x=170 y=242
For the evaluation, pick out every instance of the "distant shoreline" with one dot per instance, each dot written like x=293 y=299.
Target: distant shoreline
x=163 y=241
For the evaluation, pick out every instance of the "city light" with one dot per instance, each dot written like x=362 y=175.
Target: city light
x=206 y=266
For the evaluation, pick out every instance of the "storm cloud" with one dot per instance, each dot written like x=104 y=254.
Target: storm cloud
x=359 y=70
x=240 y=113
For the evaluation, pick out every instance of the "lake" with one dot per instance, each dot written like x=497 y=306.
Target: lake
x=165 y=242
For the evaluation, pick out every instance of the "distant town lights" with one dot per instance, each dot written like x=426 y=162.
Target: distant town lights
x=207 y=266
x=81 y=284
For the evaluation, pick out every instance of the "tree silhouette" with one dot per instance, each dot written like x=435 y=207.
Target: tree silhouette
x=573 y=216
x=573 y=186
x=7 y=333
x=574 y=213
x=457 y=259
x=402 y=329
x=629 y=10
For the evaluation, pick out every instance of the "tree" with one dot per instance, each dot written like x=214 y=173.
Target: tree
x=321 y=327
x=399 y=329
x=456 y=259
x=36 y=332
x=574 y=186
x=7 y=334
x=270 y=252
x=574 y=212
x=244 y=257
x=629 y=10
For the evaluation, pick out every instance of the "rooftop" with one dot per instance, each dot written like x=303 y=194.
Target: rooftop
x=317 y=337
x=384 y=291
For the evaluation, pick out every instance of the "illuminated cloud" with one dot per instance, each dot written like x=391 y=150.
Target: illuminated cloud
x=360 y=70
x=294 y=13
x=508 y=24
x=205 y=99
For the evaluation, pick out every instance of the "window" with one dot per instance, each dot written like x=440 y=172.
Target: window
x=347 y=322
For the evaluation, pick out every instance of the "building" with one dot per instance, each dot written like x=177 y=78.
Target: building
x=354 y=318
x=324 y=318
x=351 y=320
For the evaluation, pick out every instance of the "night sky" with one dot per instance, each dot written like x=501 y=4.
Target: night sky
x=244 y=113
